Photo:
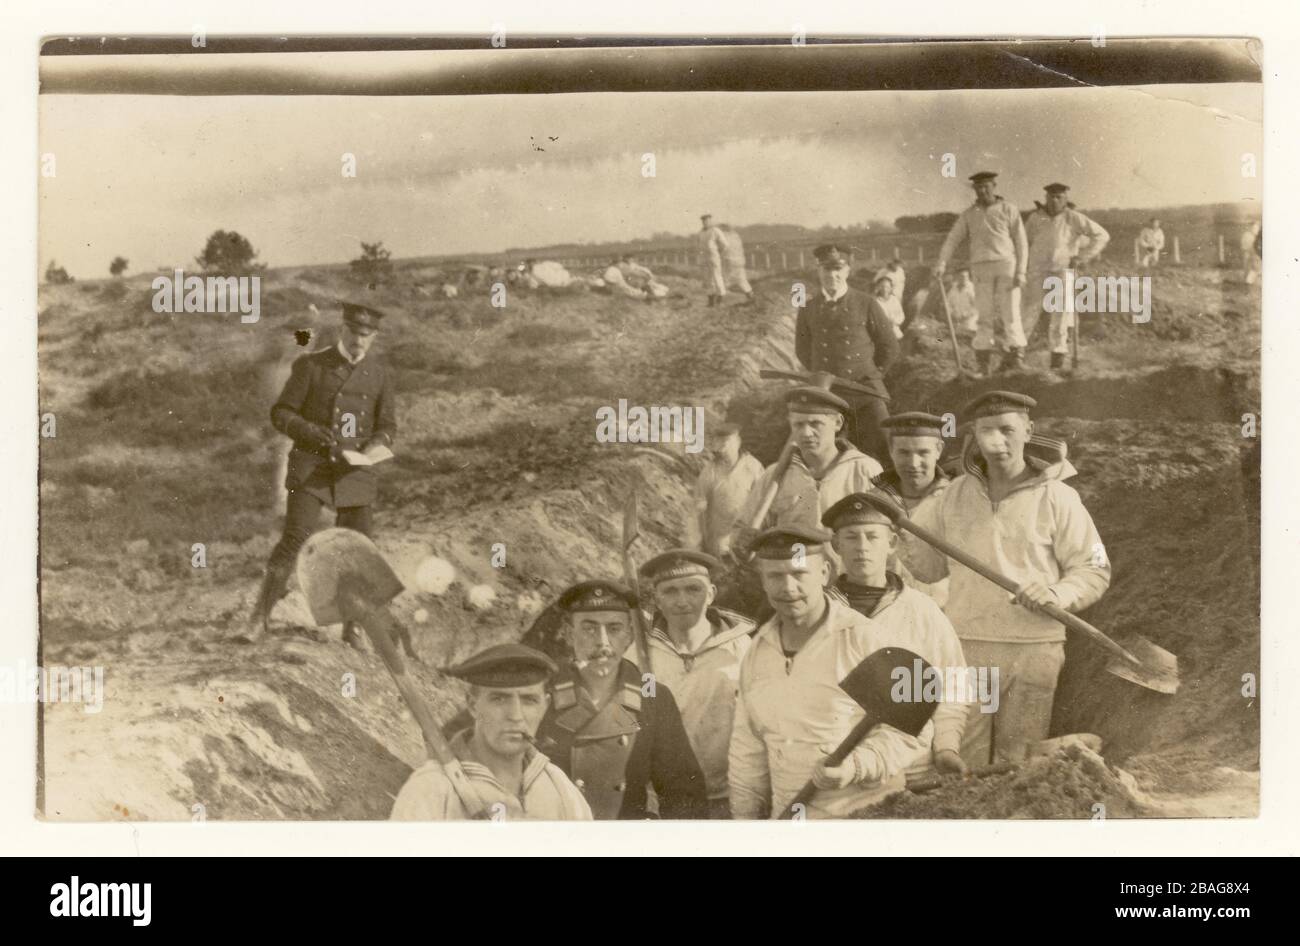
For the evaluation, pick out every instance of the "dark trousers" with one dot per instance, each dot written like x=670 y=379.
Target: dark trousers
x=300 y=518
x=867 y=435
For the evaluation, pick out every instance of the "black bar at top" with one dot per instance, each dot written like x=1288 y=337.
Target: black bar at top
x=650 y=64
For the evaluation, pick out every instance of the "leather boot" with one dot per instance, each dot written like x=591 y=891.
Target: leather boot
x=1058 y=360
x=274 y=587
x=1013 y=360
x=983 y=361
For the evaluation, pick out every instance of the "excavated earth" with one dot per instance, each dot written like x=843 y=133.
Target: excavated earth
x=163 y=441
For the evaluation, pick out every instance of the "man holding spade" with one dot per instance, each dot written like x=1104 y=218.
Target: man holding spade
x=510 y=779
x=866 y=540
x=792 y=712
x=1014 y=513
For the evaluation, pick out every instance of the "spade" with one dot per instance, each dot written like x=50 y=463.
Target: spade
x=872 y=684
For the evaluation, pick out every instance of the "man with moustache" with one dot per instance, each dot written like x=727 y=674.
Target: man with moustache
x=1013 y=511
x=507 y=698
x=915 y=446
x=792 y=713
x=847 y=333
x=612 y=729
x=866 y=541
x=695 y=649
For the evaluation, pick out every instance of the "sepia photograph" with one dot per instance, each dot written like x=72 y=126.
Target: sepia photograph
x=644 y=430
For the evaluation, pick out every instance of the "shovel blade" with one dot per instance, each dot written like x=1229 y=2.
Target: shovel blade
x=885 y=673
x=1158 y=670
x=333 y=557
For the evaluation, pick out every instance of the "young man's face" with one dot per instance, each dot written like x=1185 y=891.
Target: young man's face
x=865 y=549
x=1055 y=203
x=1002 y=438
x=984 y=191
x=727 y=449
x=506 y=718
x=357 y=341
x=915 y=459
x=599 y=639
x=682 y=600
x=795 y=586
x=834 y=279
x=815 y=433
x=884 y=288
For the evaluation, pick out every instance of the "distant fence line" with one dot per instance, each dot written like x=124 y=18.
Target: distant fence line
x=1207 y=245
x=920 y=250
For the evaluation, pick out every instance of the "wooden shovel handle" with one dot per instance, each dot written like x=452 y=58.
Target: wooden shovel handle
x=382 y=629
x=1072 y=621
x=850 y=742
x=769 y=495
x=952 y=331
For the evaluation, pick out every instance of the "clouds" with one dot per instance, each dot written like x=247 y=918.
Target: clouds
x=150 y=176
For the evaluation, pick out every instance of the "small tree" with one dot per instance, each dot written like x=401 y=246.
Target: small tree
x=374 y=265
x=56 y=275
x=228 y=254
x=117 y=267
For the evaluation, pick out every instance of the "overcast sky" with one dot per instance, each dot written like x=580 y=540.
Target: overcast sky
x=149 y=177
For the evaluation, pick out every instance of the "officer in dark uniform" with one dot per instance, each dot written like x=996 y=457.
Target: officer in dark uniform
x=847 y=333
x=340 y=398
x=605 y=730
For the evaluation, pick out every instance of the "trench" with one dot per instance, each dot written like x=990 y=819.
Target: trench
x=1174 y=490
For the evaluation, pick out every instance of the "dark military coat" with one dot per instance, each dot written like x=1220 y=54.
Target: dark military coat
x=851 y=337
x=324 y=388
x=614 y=753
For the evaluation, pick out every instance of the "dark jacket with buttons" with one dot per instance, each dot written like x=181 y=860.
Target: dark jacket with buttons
x=356 y=403
x=614 y=753
x=852 y=338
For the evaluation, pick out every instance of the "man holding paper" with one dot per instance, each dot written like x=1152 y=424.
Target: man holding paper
x=339 y=409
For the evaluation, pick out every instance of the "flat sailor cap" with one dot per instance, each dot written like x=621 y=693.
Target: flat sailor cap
x=779 y=542
x=853 y=509
x=992 y=403
x=505 y=665
x=679 y=563
x=913 y=424
x=596 y=595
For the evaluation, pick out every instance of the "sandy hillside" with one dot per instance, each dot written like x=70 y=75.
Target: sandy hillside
x=163 y=441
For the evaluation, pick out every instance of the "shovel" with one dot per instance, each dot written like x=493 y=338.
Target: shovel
x=1142 y=662
x=952 y=330
x=345 y=578
x=822 y=379
x=870 y=684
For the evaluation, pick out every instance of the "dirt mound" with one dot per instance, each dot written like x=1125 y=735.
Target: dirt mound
x=1073 y=783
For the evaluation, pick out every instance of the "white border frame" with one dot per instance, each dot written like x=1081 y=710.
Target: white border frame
x=1274 y=832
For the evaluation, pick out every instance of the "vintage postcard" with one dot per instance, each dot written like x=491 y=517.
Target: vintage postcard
x=658 y=430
